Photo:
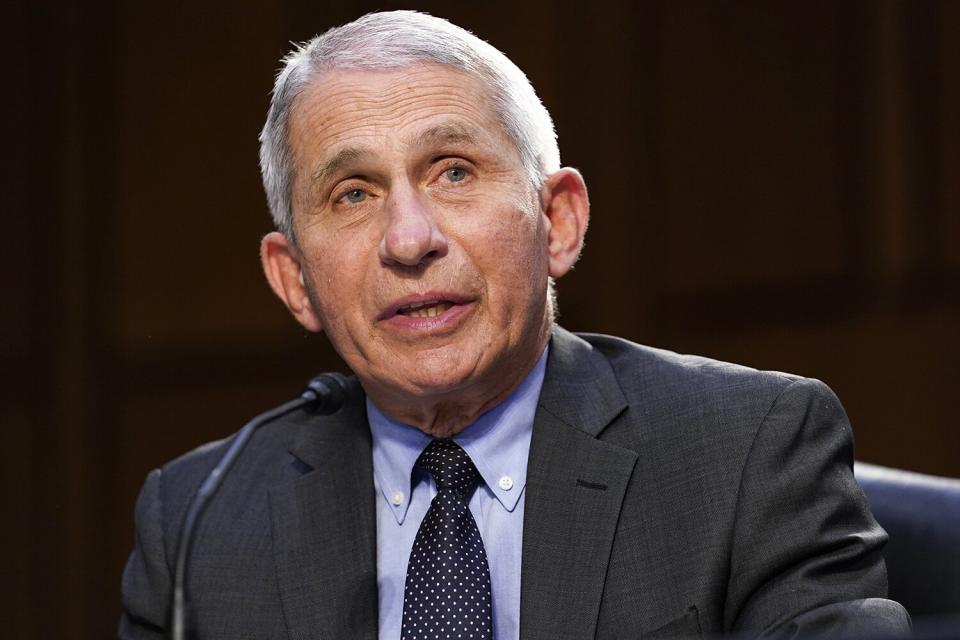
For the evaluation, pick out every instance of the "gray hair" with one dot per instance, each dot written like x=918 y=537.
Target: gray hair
x=397 y=39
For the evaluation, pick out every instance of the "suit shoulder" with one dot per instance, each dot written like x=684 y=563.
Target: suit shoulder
x=272 y=442
x=188 y=469
x=672 y=394
x=651 y=370
x=183 y=475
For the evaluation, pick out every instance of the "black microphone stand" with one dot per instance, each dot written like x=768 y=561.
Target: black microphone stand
x=324 y=394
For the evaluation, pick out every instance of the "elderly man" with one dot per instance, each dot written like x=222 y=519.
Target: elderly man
x=492 y=475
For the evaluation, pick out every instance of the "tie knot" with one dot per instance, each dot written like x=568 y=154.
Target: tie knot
x=449 y=465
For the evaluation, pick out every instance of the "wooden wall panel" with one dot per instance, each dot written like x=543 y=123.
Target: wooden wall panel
x=604 y=113
x=752 y=89
x=949 y=139
x=193 y=85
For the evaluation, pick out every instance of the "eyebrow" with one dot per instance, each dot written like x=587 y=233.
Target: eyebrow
x=339 y=160
x=445 y=133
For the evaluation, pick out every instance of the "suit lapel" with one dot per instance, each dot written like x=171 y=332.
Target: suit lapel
x=324 y=531
x=575 y=488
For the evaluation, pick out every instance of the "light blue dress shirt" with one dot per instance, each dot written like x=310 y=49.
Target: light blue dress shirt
x=498 y=443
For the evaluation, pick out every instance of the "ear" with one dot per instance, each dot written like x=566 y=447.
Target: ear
x=567 y=208
x=281 y=264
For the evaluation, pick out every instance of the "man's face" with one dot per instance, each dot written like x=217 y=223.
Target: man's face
x=421 y=242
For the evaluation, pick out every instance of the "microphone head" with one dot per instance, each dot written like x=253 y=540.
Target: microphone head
x=326 y=393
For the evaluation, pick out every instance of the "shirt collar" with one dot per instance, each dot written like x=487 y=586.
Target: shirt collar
x=498 y=443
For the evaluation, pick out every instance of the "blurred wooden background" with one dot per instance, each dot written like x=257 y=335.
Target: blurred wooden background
x=773 y=183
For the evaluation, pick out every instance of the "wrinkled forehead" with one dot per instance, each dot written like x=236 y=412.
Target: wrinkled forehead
x=351 y=108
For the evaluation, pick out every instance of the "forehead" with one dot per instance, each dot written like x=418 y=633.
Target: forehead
x=350 y=108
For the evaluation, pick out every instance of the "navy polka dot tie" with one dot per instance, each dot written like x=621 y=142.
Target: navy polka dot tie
x=447 y=594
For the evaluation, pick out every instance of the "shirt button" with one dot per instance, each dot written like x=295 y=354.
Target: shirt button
x=397 y=498
x=506 y=483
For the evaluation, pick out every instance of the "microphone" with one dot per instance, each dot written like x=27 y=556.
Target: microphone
x=324 y=395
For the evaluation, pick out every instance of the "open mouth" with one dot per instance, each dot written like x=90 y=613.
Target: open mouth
x=429 y=309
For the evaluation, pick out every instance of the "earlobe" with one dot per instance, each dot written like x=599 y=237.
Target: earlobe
x=567 y=208
x=282 y=266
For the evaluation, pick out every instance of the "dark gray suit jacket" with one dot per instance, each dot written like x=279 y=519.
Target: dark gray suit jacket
x=667 y=496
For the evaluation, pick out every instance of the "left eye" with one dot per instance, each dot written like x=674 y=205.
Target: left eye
x=455 y=174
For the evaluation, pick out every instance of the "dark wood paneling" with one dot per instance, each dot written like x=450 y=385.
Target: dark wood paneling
x=751 y=89
x=949 y=147
x=193 y=88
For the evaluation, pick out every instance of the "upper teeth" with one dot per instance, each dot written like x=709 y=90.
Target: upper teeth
x=425 y=309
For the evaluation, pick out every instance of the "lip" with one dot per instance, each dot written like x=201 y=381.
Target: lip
x=461 y=306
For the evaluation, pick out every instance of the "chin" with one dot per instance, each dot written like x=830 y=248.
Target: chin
x=436 y=376
x=432 y=383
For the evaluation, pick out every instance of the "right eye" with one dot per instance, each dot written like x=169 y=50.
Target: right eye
x=354 y=196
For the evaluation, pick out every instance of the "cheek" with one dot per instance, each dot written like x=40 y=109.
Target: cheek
x=515 y=257
x=523 y=238
x=338 y=278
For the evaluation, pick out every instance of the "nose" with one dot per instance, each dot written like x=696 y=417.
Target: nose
x=411 y=236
